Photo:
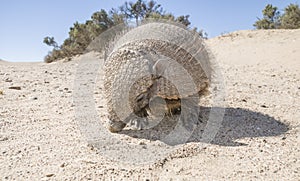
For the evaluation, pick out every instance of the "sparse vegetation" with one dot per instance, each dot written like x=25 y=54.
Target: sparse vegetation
x=291 y=17
x=273 y=19
x=81 y=34
x=270 y=18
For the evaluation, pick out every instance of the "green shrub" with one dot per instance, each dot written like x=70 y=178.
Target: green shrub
x=82 y=34
x=291 y=17
x=272 y=19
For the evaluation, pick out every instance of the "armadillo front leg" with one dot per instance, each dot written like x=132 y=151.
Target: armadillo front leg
x=137 y=118
x=116 y=126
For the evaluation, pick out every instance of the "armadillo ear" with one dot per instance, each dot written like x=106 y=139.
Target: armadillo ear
x=160 y=66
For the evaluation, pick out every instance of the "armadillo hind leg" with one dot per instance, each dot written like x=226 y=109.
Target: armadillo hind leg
x=139 y=123
x=189 y=116
x=138 y=120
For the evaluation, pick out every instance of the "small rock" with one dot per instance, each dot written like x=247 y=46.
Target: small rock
x=1 y=92
x=264 y=106
x=265 y=141
x=63 y=165
x=50 y=175
x=15 y=87
x=142 y=143
x=8 y=80
x=3 y=138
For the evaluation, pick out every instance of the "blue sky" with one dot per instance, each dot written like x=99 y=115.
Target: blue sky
x=24 y=24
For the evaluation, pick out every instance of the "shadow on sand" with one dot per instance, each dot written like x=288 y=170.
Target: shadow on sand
x=237 y=123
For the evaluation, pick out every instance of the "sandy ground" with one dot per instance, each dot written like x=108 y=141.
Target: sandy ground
x=40 y=138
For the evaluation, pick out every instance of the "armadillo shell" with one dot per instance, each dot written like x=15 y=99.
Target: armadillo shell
x=127 y=67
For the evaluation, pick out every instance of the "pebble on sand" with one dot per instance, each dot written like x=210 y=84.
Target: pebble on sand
x=15 y=87
x=50 y=175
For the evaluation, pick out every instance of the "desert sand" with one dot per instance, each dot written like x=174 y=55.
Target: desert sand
x=40 y=138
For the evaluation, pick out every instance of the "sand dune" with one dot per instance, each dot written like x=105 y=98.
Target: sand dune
x=274 y=47
x=259 y=138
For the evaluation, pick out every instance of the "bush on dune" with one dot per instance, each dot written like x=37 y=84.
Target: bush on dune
x=82 y=34
x=272 y=19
